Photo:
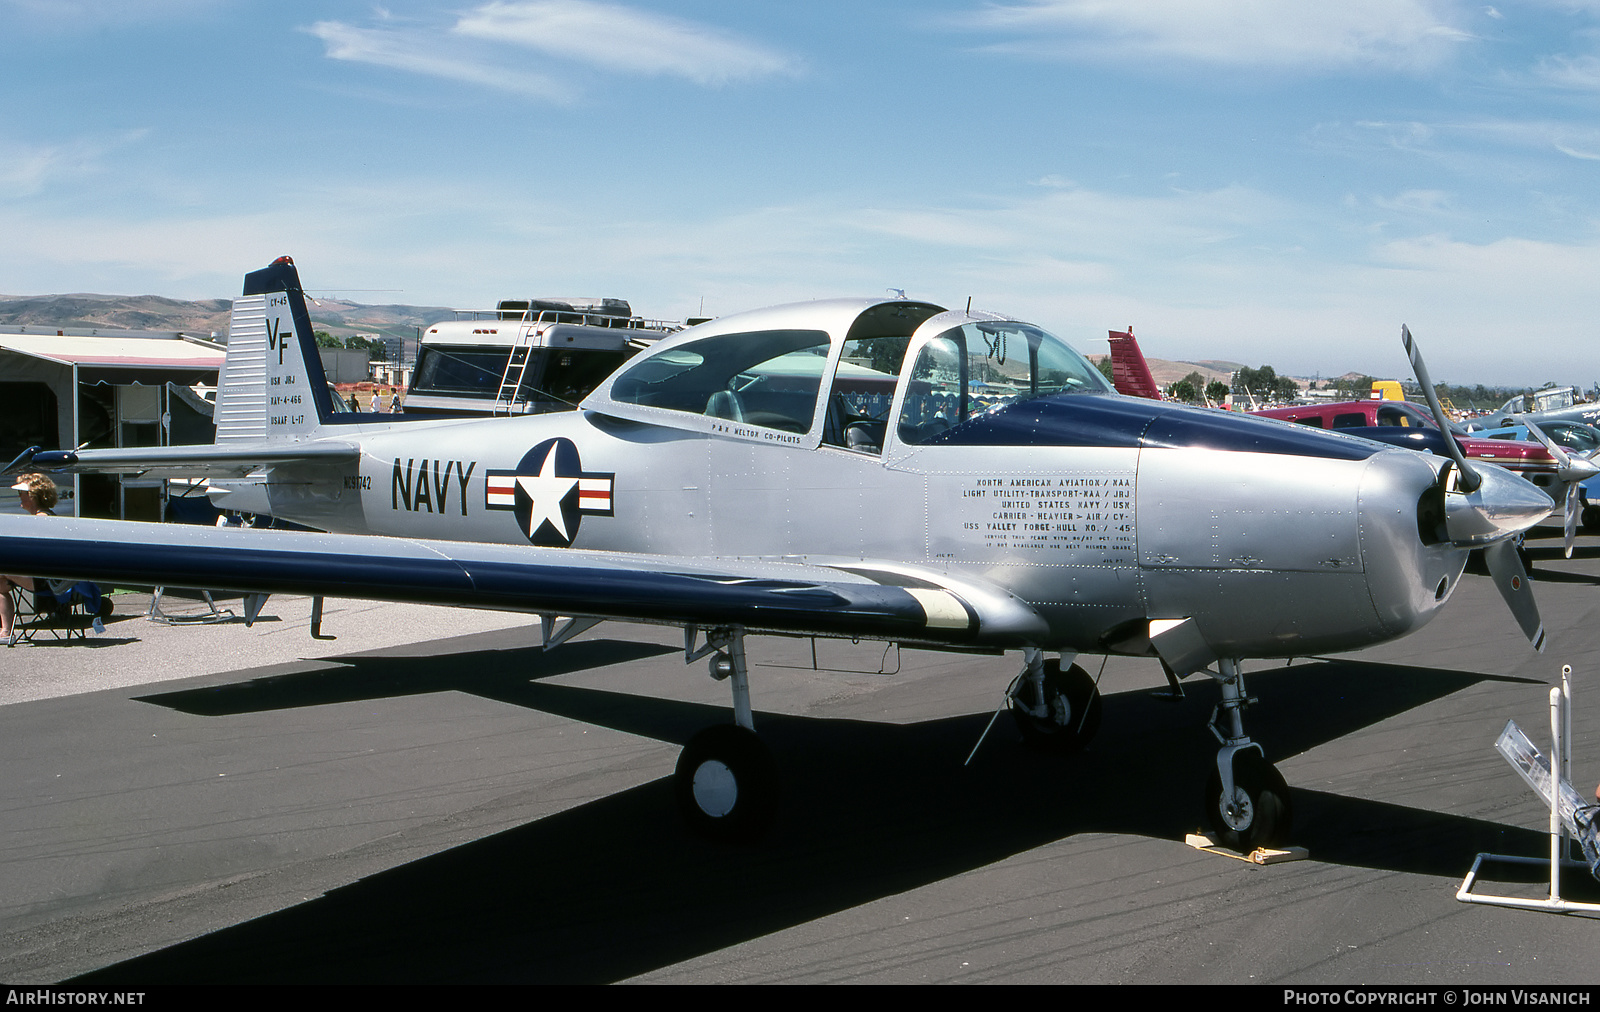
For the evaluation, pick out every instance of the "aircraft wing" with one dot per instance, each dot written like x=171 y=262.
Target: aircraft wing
x=762 y=596
x=203 y=461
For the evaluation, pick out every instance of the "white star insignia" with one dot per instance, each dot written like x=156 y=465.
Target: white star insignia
x=547 y=490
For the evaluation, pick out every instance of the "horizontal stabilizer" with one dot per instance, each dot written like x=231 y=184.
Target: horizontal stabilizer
x=233 y=460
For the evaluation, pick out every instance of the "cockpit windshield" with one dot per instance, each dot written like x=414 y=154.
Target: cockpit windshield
x=981 y=366
x=768 y=378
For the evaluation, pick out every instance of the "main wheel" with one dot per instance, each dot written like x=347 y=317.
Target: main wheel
x=1074 y=703
x=726 y=783
x=1258 y=814
x=1591 y=518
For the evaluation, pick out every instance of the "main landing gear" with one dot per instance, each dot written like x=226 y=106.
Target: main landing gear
x=1054 y=709
x=1247 y=801
x=726 y=782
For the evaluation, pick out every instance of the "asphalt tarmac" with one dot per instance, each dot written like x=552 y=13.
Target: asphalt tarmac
x=429 y=797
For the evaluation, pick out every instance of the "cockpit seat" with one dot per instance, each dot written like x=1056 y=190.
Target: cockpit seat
x=866 y=436
x=725 y=404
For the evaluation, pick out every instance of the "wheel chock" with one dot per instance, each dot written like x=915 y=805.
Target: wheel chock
x=1261 y=855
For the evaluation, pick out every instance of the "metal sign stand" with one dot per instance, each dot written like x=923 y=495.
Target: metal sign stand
x=1569 y=817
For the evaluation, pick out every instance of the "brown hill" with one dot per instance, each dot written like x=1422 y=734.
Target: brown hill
x=154 y=312
x=140 y=312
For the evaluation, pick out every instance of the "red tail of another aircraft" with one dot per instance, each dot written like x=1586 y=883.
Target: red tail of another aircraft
x=1130 y=374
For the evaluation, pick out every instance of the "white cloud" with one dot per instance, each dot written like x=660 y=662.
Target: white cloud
x=1471 y=148
x=30 y=169
x=617 y=38
x=419 y=52
x=1280 y=34
x=76 y=15
x=1430 y=202
x=1579 y=73
x=1227 y=273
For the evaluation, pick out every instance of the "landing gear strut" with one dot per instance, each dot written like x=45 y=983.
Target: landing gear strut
x=726 y=782
x=1055 y=709
x=1247 y=801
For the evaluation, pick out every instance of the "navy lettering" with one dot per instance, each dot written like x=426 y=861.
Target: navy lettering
x=400 y=489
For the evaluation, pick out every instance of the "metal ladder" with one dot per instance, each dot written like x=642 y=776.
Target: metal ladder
x=506 y=399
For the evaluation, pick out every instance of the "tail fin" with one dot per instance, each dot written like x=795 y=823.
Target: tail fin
x=1130 y=374
x=272 y=386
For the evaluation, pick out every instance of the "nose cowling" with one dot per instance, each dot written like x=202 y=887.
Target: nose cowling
x=1410 y=565
x=1413 y=559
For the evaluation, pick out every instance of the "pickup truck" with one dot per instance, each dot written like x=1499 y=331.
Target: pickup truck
x=1399 y=422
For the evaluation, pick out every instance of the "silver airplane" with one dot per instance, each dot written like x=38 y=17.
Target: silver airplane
x=881 y=469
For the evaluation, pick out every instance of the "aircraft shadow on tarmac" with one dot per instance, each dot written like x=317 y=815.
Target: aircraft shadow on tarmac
x=617 y=887
x=351 y=678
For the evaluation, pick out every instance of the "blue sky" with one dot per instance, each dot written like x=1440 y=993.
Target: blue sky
x=1271 y=182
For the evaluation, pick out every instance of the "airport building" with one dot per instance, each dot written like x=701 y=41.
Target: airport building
x=62 y=388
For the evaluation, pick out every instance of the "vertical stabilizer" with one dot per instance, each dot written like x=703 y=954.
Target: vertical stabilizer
x=272 y=385
x=1130 y=374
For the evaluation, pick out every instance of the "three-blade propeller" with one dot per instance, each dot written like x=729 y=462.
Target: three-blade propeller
x=1488 y=507
x=1572 y=471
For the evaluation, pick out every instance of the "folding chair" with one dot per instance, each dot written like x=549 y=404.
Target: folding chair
x=58 y=609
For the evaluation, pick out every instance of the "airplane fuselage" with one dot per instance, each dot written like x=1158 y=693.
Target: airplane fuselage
x=1319 y=553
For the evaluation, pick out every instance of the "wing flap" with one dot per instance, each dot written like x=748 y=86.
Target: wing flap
x=763 y=596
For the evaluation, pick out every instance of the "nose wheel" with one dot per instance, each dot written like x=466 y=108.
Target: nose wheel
x=1255 y=811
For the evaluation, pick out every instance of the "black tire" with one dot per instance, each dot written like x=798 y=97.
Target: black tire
x=1591 y=518
x=726 y=784
x=1074 y=703
x=1261 y=815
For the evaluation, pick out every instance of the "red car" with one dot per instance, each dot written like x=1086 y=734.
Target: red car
x=1530 y=460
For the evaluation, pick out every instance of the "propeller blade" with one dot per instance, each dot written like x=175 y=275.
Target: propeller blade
x=1469 y=477
x=1562 y=460
x=1569 y=468
x=1512 y=581
x=1573 y=469
x=1572 y=516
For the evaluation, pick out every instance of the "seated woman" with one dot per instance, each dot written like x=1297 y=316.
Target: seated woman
x=38 y=495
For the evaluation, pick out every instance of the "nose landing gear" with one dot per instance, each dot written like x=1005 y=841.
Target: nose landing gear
x=1246 y=798
x=1254 y=811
